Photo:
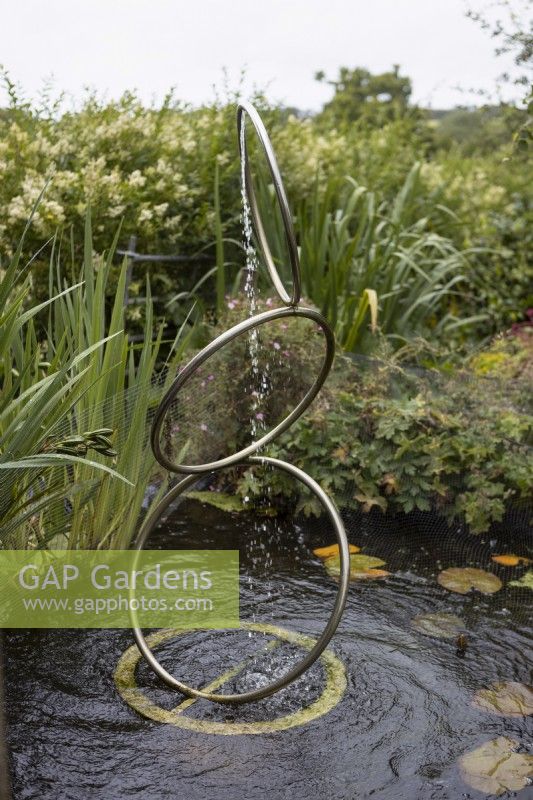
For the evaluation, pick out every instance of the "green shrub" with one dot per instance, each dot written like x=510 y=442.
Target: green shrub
x=355 y=246
x=154 y=170
x=387 y=436
x=489 y=212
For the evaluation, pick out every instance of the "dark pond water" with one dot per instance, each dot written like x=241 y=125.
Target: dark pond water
x=398 y=731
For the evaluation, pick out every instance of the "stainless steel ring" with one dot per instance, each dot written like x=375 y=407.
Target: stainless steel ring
x=331 y=625
x=293 y=298
x=213 y=347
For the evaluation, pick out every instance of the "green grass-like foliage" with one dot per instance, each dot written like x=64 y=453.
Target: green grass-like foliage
x=369 y=264
x=75 y=403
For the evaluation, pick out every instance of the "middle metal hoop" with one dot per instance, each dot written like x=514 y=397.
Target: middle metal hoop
x=213 y=347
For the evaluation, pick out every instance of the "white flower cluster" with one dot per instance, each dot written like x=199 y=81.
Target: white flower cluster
x=153 y=169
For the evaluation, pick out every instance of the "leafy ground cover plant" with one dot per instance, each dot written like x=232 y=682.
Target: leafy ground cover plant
x=382 y=435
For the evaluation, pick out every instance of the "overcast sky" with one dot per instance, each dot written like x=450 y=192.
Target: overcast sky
x=150 y=45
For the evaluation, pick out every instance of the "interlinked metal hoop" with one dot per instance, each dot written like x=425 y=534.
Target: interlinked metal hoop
x=331 y=625
x=293 y=298
x=213 y=347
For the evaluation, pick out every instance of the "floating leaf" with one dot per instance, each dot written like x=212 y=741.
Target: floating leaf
x=360 y=567
x=333 y=550
x=495 y=767
x=464 y=579
x=510 y=560
x=225 y=502
x=508 y=699
x=360 y=562
x=368 y=574
x=525 y=581
x=442 y=625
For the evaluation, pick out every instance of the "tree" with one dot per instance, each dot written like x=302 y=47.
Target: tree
x=512 y=29
x=513 y=33
x=359 y=94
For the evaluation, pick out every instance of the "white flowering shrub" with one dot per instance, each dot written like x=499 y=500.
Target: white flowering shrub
x=151 y=171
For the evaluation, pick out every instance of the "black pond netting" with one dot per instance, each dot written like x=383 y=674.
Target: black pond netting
x=431 y=471
x=380 y=435
x=431 y=474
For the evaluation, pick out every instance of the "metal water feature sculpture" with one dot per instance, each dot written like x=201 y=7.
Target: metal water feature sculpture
x=290 y=308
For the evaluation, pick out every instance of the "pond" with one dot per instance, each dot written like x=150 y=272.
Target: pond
x=398 y=729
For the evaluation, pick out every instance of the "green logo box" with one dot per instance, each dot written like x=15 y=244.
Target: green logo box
x=119 y=588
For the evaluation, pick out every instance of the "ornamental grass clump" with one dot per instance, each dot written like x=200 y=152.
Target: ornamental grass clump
x=75 y=406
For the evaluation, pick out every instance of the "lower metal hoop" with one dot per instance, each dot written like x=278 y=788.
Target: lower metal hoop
x=331 y=625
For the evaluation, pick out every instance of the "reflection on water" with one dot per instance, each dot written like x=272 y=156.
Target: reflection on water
x=403 y=723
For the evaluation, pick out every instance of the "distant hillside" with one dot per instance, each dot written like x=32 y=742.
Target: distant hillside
x=475 y=129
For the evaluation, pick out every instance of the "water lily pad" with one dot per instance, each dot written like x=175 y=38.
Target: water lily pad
x=495 y=767
x=442 y=625
x=368 y=574
x=510 y=560
x=360 y=567
x=464 y=579
x=360 y=562
x=220 y=500
x=508 y=699
x=525 y=581
x=333 y=550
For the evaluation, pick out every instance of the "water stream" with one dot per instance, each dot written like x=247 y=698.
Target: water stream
x=259 y=384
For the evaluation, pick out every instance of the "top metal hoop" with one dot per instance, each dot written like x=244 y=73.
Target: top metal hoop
x=289 y=299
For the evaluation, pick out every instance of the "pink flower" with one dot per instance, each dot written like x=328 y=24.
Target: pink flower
x=268 y=301
x=277 y=346
x=232 y=304
x=260 y=416
x=210 y=377
x=286 y=353
x=203 y=427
